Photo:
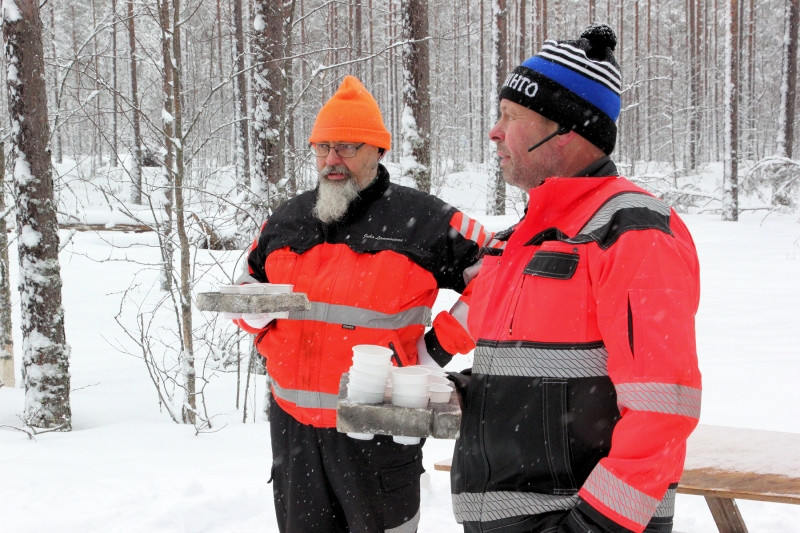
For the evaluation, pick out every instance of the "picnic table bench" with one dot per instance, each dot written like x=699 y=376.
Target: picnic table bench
x=724 y=464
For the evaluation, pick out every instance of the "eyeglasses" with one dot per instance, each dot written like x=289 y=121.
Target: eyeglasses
x=342 y=150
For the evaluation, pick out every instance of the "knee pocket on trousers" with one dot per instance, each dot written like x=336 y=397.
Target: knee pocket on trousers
x=399 y=476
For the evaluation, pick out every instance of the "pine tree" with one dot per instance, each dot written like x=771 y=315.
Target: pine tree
x=45 y=357
x=416 y=120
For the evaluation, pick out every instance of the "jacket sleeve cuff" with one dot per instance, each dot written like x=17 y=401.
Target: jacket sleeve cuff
x=435 y=350
x=249 y=329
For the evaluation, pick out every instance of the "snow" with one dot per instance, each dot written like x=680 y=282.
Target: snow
x=126 y=467
x=29 y=236
x=11 y=12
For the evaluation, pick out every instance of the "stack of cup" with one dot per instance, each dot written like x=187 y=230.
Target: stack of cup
x=368 y=376
x=410 y=388
x=438 y=377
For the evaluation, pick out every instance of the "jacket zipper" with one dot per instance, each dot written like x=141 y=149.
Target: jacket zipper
x=395 y=355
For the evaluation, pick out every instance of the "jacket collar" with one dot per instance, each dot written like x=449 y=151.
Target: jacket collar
x=566 y=202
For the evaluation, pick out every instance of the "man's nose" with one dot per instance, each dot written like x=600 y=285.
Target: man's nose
x=333 y=158
x=496 y=134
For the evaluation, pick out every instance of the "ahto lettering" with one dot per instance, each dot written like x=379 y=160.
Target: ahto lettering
x=522 y=84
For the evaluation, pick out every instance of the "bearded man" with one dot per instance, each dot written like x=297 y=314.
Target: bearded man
x=371 y=256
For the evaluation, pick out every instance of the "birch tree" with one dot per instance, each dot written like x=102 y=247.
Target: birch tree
x=45 y=353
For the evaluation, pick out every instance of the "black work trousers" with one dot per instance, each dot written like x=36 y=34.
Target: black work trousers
x=326 y=482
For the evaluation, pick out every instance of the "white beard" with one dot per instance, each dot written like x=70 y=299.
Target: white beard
x=334 y=197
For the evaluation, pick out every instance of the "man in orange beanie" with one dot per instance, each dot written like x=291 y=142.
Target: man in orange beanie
x=371 y=256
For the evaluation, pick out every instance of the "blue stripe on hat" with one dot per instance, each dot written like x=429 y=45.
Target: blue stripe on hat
x=593 y=92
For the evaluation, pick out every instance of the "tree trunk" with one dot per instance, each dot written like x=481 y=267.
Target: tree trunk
x=240 y=85
x=694 y=84
x=496 y=199
x=730 y=186
x=168 y=120
x=269 y=89
x=114 y=103
x=416 y=130
x=46 y=354
x=57 y=139
x=7 y=376
x=482 y=92
x=136 y=163
x=788 y=80
x=189 y=407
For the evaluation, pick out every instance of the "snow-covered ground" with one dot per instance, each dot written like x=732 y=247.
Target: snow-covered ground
x=127 y=468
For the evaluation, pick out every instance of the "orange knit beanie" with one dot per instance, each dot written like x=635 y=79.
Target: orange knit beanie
x=351 y=115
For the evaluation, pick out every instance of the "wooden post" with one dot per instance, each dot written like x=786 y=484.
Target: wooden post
x=726 y=514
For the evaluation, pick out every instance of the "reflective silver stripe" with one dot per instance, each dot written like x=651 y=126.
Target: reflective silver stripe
x=666 y=507
x=620 y=497
x=541 y=362
x=494 y=243
x=660 y=398
x=408 y=527
x=488 y=506
x=616 y=203
x=365 y=318
x=305 y=398
x=460 y=312
x=471 y=272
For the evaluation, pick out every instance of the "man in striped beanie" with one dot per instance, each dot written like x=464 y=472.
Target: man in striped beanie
x=585 y=383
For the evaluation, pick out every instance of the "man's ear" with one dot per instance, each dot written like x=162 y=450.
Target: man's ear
x=564 y=139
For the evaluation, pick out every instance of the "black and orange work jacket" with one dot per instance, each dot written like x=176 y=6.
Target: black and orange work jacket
x=371 y=278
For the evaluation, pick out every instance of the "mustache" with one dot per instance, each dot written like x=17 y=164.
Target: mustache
x=335 y=169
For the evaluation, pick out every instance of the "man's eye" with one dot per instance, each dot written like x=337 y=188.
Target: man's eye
x=345 y=146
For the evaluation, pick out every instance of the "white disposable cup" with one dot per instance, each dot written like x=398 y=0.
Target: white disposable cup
x=372 y=370
x=435 y=370
x=253 y=288
x=440 y=380
x=360 y=396
x=231 y=316
x=406 y=440
x=367 y=378
x=366 y=386
x=371 y=360
x=361 y=436
x=371 y=354
x=276 y=288
x=410 y=401
x=405 y=389
x=440 y=393
x=229 y=289
x=411 y=375
x=257 y=320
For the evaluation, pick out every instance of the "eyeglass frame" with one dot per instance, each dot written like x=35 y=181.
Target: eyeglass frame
x=335 y=148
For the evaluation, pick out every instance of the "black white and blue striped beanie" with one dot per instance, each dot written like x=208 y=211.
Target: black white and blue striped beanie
x=574 y=83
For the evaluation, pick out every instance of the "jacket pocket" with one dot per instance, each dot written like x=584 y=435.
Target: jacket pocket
x=399 y=476
x=555 y=265
x=555 y=419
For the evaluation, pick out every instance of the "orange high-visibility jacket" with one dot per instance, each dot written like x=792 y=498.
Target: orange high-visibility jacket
x=371 y=278
x=585 y=383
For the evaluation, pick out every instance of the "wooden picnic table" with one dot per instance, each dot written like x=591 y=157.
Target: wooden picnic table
x=724 y=464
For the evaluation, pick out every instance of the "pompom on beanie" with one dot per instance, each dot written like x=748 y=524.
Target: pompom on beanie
x=351 y=115
x=573 y=83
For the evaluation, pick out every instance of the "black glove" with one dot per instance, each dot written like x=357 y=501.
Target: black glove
x=461 y=381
